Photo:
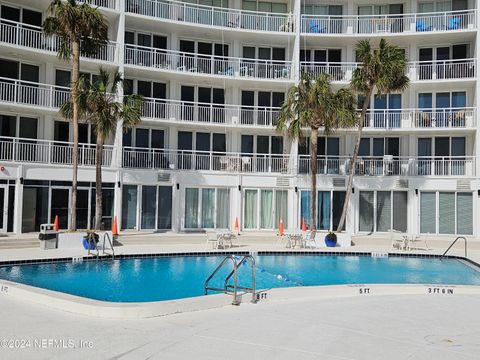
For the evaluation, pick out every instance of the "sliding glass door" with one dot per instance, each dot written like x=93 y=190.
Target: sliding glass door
x=207 y=208
x=264 y=208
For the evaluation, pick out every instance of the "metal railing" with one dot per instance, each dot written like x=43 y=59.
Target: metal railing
x=106 y=236
x=139 y=158
x=453 y=243
x=233 y=289
x=171 y=60
x=212 y=16
x=186 y=111
x=30 y=93
x=442 y=69
x=110 y=4
x=20 y=34
x=50 y=152
x=392 y=165
x=462 y=117
x=340 y=71
x=389 y=24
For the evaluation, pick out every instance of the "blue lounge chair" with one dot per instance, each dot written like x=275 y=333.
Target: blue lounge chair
x=313 y=27
x=421 y=26
x=453 y=23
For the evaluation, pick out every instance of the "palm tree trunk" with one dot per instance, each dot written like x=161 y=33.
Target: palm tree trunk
x=313 y=178
x=366 y=102
x=75 y=76
x=98 y=182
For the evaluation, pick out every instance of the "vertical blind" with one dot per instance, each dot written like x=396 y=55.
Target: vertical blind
x=384 y=211
x=464 y=213
x=446 y=213
x=427 y=212
x=366 y=211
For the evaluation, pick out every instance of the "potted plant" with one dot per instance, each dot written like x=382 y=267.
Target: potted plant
x=90 y=240
x=331 y=239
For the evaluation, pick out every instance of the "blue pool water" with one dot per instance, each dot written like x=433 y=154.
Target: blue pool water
x=166 y=278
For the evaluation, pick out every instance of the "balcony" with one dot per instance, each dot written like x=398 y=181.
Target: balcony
x=188 y=63
x=28 y=93
x=220 y=114
x=392 y=166
x=109 y=4
x=449 y=118
x=442 y=69
x=18 y=150
x=212 y=16
x=30 y=36
x=389 y=24
x=339 y=72
x=138 y=158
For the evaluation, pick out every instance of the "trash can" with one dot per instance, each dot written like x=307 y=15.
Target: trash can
x=47 y=237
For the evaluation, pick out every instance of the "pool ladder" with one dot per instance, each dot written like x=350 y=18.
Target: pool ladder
x=106 y=237
x=237 y=261
x=453 y=243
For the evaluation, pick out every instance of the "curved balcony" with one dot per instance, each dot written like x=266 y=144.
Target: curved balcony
x=392 y=166
x=189 y=63
x=28 y=93
x=138 y=158
x=19 y=150
x=389 y=24
x=339 y=72
x=424 y=119
x=442 y=69
x=212 y=16
x=205 y=113
x=109 y=4
x=33 y=37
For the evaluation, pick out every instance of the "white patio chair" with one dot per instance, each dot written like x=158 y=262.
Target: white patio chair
x=397 y=240
x=310 y=240
x=212 y=240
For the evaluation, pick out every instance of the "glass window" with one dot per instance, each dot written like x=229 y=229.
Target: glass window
x=250 y=209
x=149 y=205
x=366 y=211
x=323 y=211
x=305 y=208
x=384 y=211
x=338 y=200
x=400 y=210
x=223 y=208
x=281 y=208
x=446 y=210
x=129 y=207
x=8 y=125
x=191 y=208
x=208 y=208
x=266 y=209
x=247 y=144
x=464 y=213
x=427 y=212
x=164 y=207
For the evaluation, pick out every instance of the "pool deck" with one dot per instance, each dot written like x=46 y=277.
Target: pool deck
x=297 y=325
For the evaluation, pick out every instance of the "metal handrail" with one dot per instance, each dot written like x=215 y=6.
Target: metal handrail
x=107 y=236
x=91 y=239
x=234 y=272
x=453 y=243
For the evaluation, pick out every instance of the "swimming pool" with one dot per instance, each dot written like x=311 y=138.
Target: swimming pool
x=176 y=277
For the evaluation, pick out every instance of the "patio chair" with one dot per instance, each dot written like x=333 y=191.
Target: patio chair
x=314 y=28
x=417 y=239
x=227 y=72
x=397 y=240
x=453 y=23
x=212 y=240
x=421 y=26
x=309 y=240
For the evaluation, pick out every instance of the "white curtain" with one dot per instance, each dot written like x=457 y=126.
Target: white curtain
x=223 y=208
x=281 y=208
x=208 y=208
x=191 y=208
x=266 y=209
x=250 y=209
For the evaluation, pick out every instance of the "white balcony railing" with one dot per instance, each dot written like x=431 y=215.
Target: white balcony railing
x=110 y=4
x=30 y=93
x=30 y=36
x=392 y=166
x=185 y=111
x=389 y=24
x=20 y=150
x=341 y=71
x=442 y=69
x=212 y=16
x=461 y=118
x=171 y=60
x=139 y=158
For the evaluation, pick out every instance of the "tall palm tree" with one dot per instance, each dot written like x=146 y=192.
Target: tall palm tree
x=383 y=69
x=313 y=104
x=80 y=29
x=98 y=105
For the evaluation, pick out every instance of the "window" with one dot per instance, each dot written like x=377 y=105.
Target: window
x=272 y=205
x=435 y=64
x=449 y=109
x=381 y=211
x=449 y=155
x=328 y=151
x=329 y=209
x=144 y=138
x=207 y=208
x=197 y=57
x=446 y=213
x=204 y=111
x=263 y=6
x=260 y=107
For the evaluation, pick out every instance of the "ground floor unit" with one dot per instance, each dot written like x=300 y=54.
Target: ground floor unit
x=190 y=201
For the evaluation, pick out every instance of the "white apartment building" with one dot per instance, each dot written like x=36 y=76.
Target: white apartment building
x=214 y=73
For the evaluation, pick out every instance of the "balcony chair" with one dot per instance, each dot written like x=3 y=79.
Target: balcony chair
x=246 y=163
x=453 y=23
x=315 y=29
x=282 y=73
x=309 y=240
x=388 y=168
x=421 y=26
x=458 y=119
x=227 y=72
x=233 y=22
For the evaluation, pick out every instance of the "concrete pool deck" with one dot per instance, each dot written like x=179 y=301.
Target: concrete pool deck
x=304 y=326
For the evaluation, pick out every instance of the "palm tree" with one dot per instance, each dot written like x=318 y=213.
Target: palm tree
x=98 y=105
x=313 y=104
x=80 y=29
x=382 y=68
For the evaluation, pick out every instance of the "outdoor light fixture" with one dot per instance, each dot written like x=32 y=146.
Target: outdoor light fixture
x=21 y=180
x=353 y=190
x=239 y=187
x=296 y=189
x=416 y=191
x=178 y=186
x=118 y=184
x=478 y=192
